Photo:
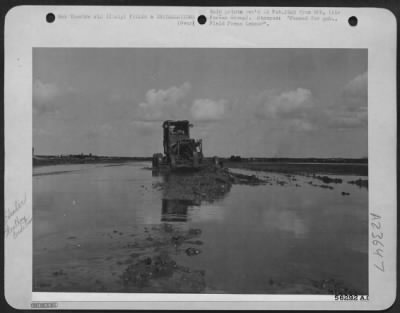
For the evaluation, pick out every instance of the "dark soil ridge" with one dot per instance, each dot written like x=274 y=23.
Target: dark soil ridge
x=209 y=183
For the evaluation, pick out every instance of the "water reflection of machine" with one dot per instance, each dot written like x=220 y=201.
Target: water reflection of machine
x=176 y=210
x=156 y=173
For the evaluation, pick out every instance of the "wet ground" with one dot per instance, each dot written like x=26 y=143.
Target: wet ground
x=124 y=228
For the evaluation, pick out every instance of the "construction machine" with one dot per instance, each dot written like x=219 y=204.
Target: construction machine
x=180 y=151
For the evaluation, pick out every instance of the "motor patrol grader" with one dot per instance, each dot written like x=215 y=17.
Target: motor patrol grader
x=180 y=151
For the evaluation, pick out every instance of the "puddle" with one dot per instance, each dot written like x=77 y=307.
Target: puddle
x=287 y=235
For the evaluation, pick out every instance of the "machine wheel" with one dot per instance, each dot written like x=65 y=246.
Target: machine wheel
x=215 y=161
x=200 y=157
x=196 y=159
x=173 y=161
x=157 y=159
x=154 y=161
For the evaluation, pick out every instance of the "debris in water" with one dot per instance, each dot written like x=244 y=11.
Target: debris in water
x=328 y=180
x=59 y=273
x=168 y=228
x=192 y=251
x=359 y=182
x=177 y=240
x=194 y=242
x=271 y=282
x=326 y=187
x=142 y=271
x=334 y=287
x=194 y=231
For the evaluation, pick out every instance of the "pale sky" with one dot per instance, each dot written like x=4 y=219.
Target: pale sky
x=248 y=102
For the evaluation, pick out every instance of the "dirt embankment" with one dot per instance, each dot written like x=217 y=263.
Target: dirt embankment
x=209 y=183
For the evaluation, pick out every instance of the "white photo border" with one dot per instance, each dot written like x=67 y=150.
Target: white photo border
x=376 y=32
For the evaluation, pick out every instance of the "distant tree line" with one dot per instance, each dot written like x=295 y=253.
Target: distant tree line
x=235 y=158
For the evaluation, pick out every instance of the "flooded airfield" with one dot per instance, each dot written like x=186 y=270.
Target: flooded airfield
x=112 y=228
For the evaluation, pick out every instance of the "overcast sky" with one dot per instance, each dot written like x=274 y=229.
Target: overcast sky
x=249 y=102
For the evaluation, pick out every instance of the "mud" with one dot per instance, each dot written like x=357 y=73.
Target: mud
x=328 y=180
x=325 y=286
x=157 y=270
x=332 y=286
x=306 y=170
x=179 y=280
x=140 y=272
x=362 y=183
x=207 y=184
x=136 y=265
x=167 y=257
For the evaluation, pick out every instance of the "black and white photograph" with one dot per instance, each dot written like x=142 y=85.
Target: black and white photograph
x=200 y=170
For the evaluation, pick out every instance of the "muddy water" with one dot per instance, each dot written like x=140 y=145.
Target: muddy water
x=92 y=224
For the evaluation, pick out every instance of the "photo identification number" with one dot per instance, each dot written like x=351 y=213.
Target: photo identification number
x=351 y=298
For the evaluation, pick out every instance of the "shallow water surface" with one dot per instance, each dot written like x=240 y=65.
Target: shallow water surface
x=288 y=236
